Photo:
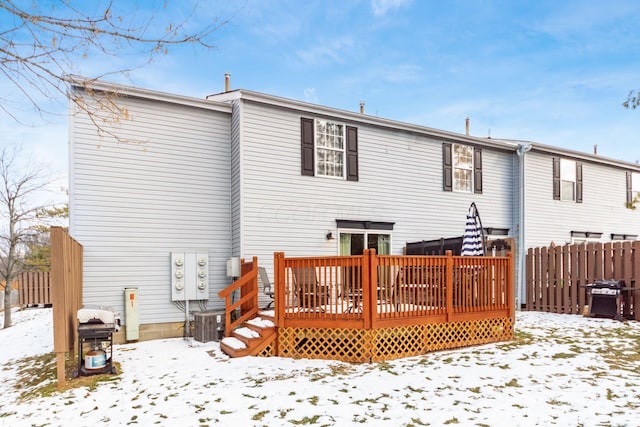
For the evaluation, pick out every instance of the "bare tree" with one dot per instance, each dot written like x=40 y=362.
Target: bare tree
x=23 y=188
x=44 y=40
x=633 y=100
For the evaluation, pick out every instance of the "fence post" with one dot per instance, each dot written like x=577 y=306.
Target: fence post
x=60 y=338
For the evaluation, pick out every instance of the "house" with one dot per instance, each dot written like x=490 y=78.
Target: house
x=570 y=197
x=176 y=185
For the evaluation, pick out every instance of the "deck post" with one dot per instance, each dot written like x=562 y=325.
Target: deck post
x=279 y=281
x=369 y=262
x=449 y=285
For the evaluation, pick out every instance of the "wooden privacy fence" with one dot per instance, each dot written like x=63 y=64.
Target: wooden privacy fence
x=556 y=275
x=34 y=288
x=66 y=295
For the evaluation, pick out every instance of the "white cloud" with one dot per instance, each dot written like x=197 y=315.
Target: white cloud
x=335 y=51
x=310 y=95
x=381 y=7
x=402 y=73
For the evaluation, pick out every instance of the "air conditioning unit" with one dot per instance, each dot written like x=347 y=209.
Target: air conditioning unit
x=209 y=326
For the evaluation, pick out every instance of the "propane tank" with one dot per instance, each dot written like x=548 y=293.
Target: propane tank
x=95 y=359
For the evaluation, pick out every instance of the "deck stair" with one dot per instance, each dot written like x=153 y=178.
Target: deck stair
x=251 y=338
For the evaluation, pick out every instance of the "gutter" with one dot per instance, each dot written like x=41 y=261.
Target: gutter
x=521 y=285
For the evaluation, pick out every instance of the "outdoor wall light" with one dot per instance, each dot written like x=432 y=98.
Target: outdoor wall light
x=329 y=236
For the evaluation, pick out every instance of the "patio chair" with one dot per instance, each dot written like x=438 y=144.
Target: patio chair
x=351 y=288
x=309 y=291
x=267 y=288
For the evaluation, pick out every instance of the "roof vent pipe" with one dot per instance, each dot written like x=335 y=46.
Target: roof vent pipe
x=361 y=107
x=227 y=82
x=595 y=150
x=466 y=125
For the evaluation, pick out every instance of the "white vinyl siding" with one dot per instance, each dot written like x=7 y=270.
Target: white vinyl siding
x=399 y=181
x=164 y=186
x=601 y=211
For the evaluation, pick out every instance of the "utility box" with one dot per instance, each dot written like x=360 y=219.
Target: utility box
x=209 y=325
x=131 y=316
x=233 y=267
x=189 y=276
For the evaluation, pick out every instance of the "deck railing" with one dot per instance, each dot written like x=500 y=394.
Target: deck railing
x=241 y=297
x=372 y=291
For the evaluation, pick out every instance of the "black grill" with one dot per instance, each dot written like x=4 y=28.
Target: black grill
x=605 y=298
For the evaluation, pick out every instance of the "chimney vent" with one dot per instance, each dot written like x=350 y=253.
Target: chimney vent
x=227 y=82
x=595 y=150
x=466 y=125
x=361 y=107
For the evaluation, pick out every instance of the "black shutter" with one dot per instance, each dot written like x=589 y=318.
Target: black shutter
x=556 y=178
x=307 y=146
x=477 y=170
x=578 y=182
x=629 y=188
x=447 y=168
x=352 y=153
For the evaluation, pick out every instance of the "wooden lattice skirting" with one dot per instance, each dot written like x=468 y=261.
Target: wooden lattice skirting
x=358 y=345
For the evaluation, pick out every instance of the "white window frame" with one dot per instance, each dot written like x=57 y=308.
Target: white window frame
x=567 y=176
x=635 y=184
x=458 y=167
x=329 y=143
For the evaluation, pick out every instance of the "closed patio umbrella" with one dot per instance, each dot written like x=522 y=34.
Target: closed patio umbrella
x=473 y=237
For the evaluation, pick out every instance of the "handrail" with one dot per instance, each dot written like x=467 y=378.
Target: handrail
x=248 y=301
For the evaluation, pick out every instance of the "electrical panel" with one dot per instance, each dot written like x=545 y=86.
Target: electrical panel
x=189 y=276
x=233 y=266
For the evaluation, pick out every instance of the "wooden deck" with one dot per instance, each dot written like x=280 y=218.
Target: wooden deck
x=378 y=307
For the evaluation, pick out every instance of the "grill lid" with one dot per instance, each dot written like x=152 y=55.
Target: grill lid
x=98 y=315
x=612 y=284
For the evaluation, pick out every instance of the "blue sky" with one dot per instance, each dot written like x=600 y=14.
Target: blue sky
x=550 y=71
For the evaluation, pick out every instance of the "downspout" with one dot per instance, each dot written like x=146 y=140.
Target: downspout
x=521 y=286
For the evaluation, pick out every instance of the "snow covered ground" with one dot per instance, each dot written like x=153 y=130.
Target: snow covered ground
x=562 y=370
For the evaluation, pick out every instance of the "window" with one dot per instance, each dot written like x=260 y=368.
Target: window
x=581 y=237
x=633 y=188
x=620 y=236
x=356 y=236
x=353 y=242
x=567 y=180
x=329 y=149
x=462 y=168
x=329 y=145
